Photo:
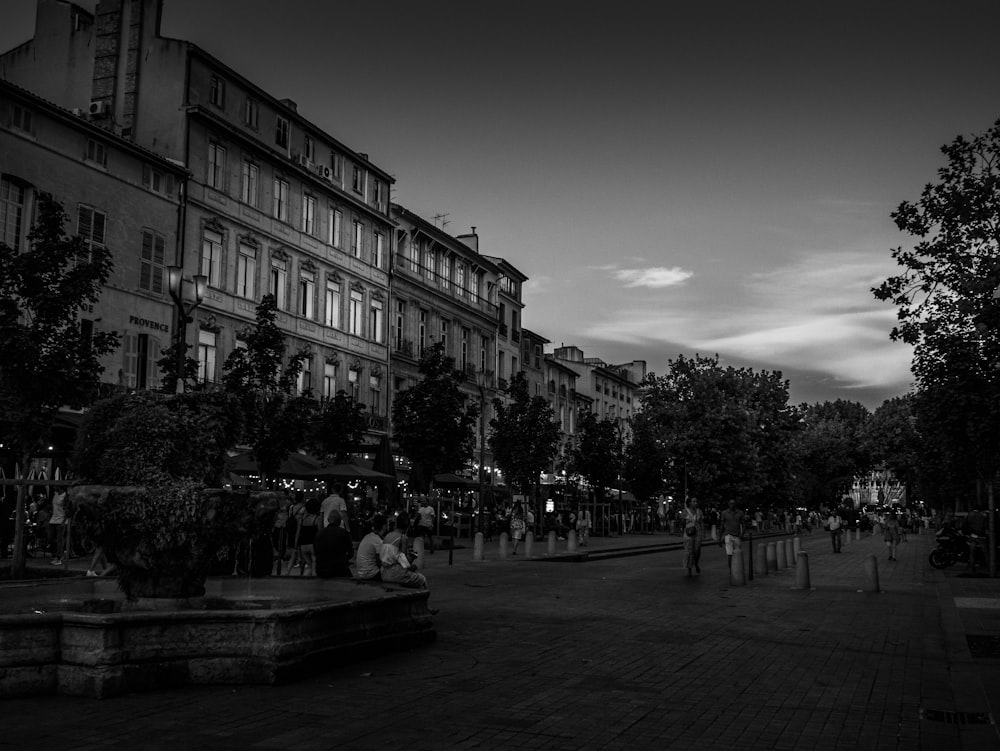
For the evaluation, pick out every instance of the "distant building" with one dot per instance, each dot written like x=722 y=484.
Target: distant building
x=274 y=204
x=533 y=362
x=117 y=195
x=613 y=389
x=510 y=308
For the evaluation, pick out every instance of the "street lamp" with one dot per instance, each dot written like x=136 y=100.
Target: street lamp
x=481 y=382
x=184 y=309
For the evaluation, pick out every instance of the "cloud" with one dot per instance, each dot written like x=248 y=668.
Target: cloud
x=816 y=314
x=655 y=277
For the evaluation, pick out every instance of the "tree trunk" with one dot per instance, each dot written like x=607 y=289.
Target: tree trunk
x=18 y=563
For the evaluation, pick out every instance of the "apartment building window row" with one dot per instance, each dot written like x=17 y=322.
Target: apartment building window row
x=157 y=181
x=96 y=153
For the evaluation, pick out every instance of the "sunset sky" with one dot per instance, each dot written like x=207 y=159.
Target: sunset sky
x=710 y=177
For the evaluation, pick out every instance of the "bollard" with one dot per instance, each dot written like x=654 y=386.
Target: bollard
x=550 y=548
x=779 y=555
x=772 y=557
x=796 y=547
x=503 y=546
x=847 y=537
x=871 y=574
x=529 y=543
x=715 y=534
x=802 y=570
x=760 y=559
x=571 y=541
x=737 y=576
x=750 y=560
x=857 y=534
x=477 y=547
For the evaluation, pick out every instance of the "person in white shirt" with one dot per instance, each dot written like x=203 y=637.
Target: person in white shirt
x=367 y=561
x=836 y=526
x=335 y=502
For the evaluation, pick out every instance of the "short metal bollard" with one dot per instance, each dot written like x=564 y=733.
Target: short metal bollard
x=802 y=570
x=871 y=574
x=737 y=575
x=571 y=541
x=779 y=555
x=796 y=547
x=550 y=547
x=772 y=557
x=504 y=541
x=418 y=548
x=477 y=547
x=529 y=544
x=760 y=559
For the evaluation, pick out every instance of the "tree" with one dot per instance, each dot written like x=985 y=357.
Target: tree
x=433 y=421
x=645 y=462
x=946 y=298
x=830 y=450
x=725 y=430
x=892 y=440
x=338 y=428
x=524 y=435
x=598 y=451
x=50 y=360
x=276 y=418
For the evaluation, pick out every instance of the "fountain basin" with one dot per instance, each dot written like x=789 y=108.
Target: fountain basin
x=81 y=637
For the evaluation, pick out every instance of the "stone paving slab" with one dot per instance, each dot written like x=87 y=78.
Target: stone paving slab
x=618 y=653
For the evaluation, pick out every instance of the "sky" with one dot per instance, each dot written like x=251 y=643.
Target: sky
x=674 y=178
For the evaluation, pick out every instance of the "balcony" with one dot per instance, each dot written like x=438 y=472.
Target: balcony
x=503 y=329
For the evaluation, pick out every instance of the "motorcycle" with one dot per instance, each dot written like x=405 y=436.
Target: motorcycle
x=953 y=546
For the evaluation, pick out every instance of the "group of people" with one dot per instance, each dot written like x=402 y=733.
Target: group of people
x=732 y=528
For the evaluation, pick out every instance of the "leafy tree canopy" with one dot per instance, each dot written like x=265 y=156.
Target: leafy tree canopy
x=338 y=427
x=524 y=436
x=433 y=421
x=598 y=452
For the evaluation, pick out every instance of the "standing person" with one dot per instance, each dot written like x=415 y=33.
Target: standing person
x=516 y=524
x=334 y=549
x=890 y=534
x=583 y=526
x=694 y=520
x=305 y=537
x=295 y=513
x=836 y=526
x=368 y=563
x=733 y=527
x=425 y=525
x=335 y=502
x=57 y=525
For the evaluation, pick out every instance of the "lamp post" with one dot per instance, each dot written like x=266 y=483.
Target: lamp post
x=481 y=380
x=184 y=309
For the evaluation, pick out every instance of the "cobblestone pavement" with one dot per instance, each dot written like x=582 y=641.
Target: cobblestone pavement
x=619 y=653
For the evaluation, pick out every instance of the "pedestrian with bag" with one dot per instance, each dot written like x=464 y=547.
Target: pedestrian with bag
x=836 y=526
x=694 y=521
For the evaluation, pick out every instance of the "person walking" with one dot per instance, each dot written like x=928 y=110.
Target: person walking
x=517 y=524
x=694 y=520
x=836 y=526
x=583 y=527
x=305 y=538
x=425 y=525
x=57 y=526
x=733 y=523
x=335 y=502
x=890 y=534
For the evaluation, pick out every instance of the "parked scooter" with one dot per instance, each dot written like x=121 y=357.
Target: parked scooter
x=953 y=546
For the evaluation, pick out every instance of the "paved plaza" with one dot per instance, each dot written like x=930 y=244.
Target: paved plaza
x=625 y=652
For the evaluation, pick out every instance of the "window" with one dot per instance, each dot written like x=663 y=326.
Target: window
x=422 y=333
x=443 y=270
x=414 y=252
x=400 y=320
x=375 y=395
x=211 y=257
x=151 y=265
x=246 y=272
x=477 y=282
x=376 y=192
x=309 y=148
x=12 y=203
x=90 y=227
x=96 y=152
x=251 y=113
x=483 y=346
x=355 y=314
x=279 y=208
x=21 y=118
x=251 y=183
x=500 y=370
x=465 y=349
x=139 y=368
x=307 y=293
x=304 y=381
x=513 y=365
x=376 y=320
x=156 y=181
x=378 y=260
x=444 y=335
x=358 y=181
x=460 y=279
x=331 y=310
x=352 y=382
x=336 y=164
x=217 y=92
x=429 y=261
x=329 y=380
x=358 y=234
x=216 y=166
x=334 y=219
x=309 y=214
x=278 y=281
x=206 y=356
x=281 y=130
